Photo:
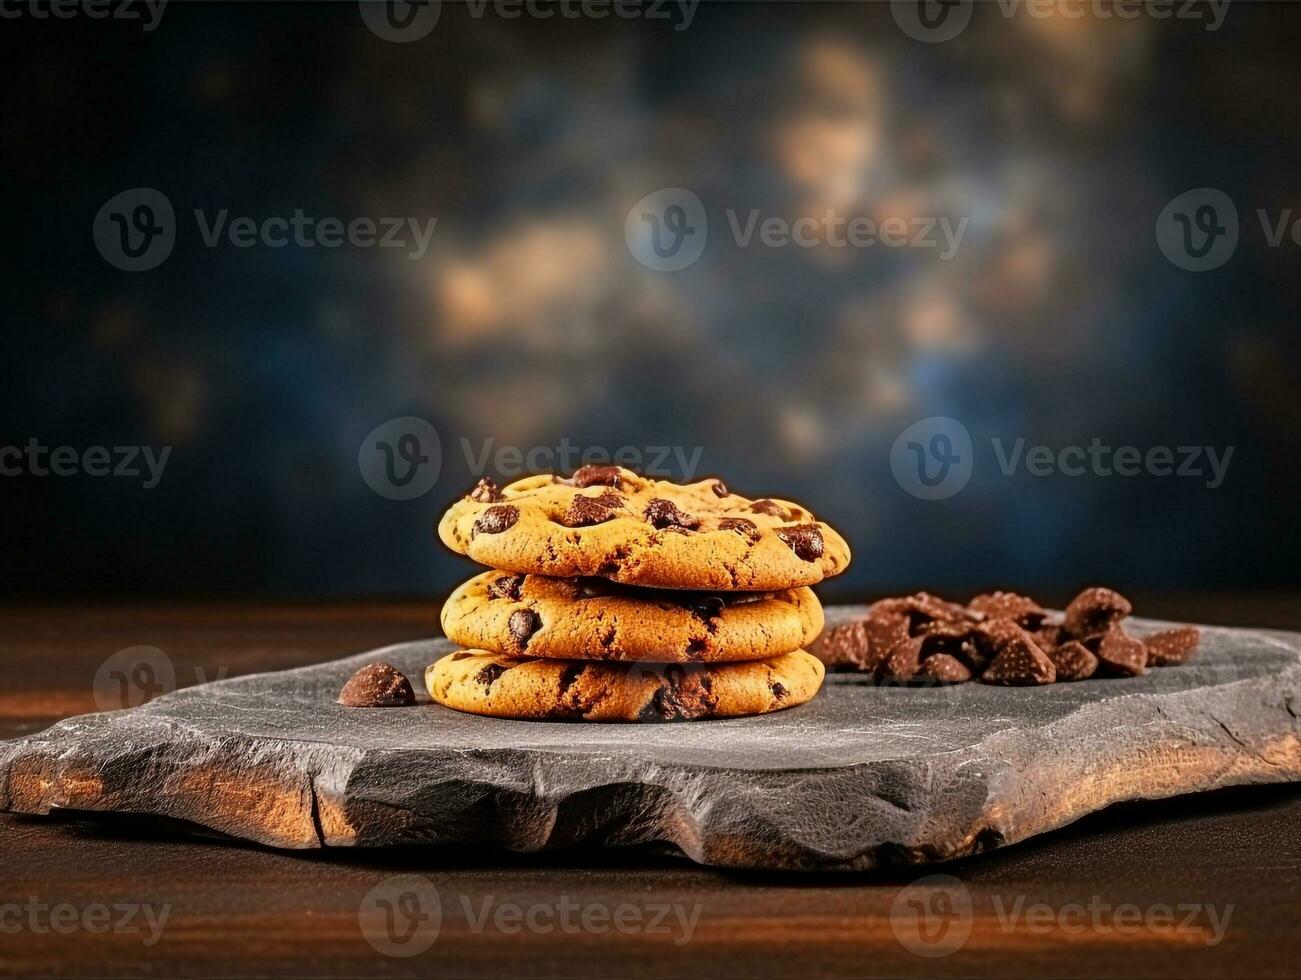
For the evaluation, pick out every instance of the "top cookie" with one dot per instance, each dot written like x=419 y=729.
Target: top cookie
x=609 y=522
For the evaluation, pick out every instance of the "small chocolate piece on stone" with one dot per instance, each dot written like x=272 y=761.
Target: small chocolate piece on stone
x=944 y=669
x=377 y=685
x=1073 y=661
x=1094 y=611
x=1020 y=664
x=486 y=492
x=1172 y=646
x=664 y=514
x=803 y=539
x=1121 y=654
x=496 y=519
x=1008 y=605
x=903 y=660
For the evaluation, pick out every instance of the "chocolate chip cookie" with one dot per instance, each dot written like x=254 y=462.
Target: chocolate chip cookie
x=595 y=619
x=609 y=522
x=505 y=687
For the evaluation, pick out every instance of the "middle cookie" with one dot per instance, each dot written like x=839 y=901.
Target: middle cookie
x=595 y=619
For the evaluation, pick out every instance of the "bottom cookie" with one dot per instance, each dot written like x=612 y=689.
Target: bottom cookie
x=485 y=683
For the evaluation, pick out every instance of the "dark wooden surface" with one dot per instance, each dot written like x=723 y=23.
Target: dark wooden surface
x=1089 y=900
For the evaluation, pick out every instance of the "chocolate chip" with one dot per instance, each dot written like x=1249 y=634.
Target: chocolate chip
x=1073 y=661
x=1048 y=638
x=803 y=539
x=592 y=475
x=523 y=623
x=884 y=632
x=746 y=528
x=1121 y=654
x=1094 y=611
x=585 y=511
x=667 y=701
x=719 y=488
x=1021 y=664
x=903 y=660
x=496 y=519
x=944 y=669
x=569 y=676
x=489 y=674
x=704 y=607
x=485 y=492
x=770 y=507
x=507 y=587
x=1172 y=646
x=1008 y=605
x=920 y=606
x=663 y=514
x=377 y=685
x=778 y=690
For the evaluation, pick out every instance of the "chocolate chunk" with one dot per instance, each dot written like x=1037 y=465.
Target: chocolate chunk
x=1073 y=661
x=1172 y=646
x=523 y=623
x=489 y=674
x=507 y=587
x=585 y=511
x=803 y=539
x=496 y=519
x=1094 y=611
x=1008 y=605
x=592 y=475
x=770 y=507
x=921 y=606
x=719 y=488
x=1121 y=654
x=996 y=635
x=944 y=669
x=843 y=641
x=663 y=514
x=778 y=690
x=1021 y=664
x=746 y=528
x=704 y=607
x=485 y=492
x=377 y=685
x=903 y=660
x=1049 y=637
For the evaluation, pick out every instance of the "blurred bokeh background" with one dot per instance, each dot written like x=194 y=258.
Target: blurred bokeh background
x=530 y=322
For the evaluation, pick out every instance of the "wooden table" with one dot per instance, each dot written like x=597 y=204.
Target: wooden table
x=1196 y=886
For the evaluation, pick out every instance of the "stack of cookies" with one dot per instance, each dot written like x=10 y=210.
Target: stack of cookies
x=614 y=597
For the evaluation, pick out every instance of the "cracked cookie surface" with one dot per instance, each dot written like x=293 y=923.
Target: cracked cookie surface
x=594 y=619
x=532 y=688
x=609 y=522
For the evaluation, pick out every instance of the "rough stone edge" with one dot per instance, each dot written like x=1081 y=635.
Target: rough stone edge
x=748 y=837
